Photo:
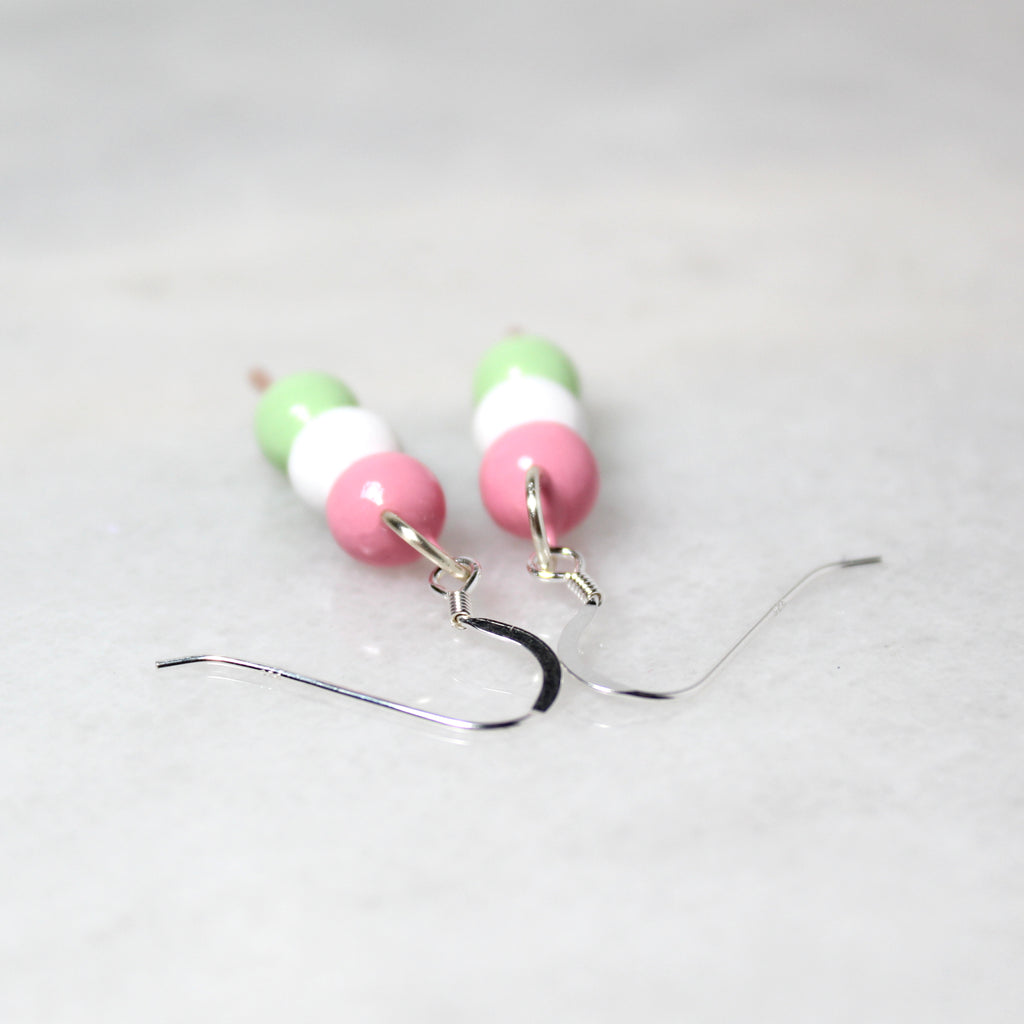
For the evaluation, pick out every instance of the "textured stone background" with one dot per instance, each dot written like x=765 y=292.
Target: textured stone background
x=783 y=243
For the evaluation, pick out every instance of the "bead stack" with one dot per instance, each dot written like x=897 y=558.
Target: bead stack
x=346 y=462
x=528 y=413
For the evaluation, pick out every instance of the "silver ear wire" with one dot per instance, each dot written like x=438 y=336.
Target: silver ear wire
x=570 y=642
x=465 y=572
x=543 y=562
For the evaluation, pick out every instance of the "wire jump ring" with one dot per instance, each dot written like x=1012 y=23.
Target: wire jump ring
x=535 y=514
x=535 y=568
x=469 y=569
x=432 y=552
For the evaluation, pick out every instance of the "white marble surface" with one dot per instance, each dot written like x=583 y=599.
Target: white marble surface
x=783 y=243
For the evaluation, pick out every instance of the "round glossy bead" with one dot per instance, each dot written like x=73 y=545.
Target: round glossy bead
x=329 y=444
x=520 y=400
x=390 y=480
x=292 y=402
x=524 y=355
x=569 y=481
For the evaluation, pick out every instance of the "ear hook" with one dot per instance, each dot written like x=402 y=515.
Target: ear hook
x=465 y=572
x=542 y=565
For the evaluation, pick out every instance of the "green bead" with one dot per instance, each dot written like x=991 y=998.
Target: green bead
x=289 y=404
x=524 y=355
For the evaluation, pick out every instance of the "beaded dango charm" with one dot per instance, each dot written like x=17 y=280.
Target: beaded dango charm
x=382 y=506
x=528 y=414
x=346 y=462
x=539 y=479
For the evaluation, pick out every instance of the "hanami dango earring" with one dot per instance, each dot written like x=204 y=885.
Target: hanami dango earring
x=384 y=508
x=539 y=479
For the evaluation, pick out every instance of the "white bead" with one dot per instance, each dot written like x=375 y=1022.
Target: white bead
x=329 y=444
x=519 y=400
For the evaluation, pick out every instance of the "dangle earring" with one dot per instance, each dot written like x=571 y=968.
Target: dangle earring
x=383 y=507
x=539 y=479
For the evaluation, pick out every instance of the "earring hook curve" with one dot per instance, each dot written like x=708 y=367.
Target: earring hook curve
x=570 y=654
x=549 y=665
x=542 y=565
x=465 y=572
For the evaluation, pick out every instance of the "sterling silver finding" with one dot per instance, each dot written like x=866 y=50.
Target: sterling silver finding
x=465 y=572
x=543 y=564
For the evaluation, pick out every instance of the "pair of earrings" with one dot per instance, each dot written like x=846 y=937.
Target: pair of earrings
x=538 y=480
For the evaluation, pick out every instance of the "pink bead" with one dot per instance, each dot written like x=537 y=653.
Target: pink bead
x=569 y=478
x=388 y=480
